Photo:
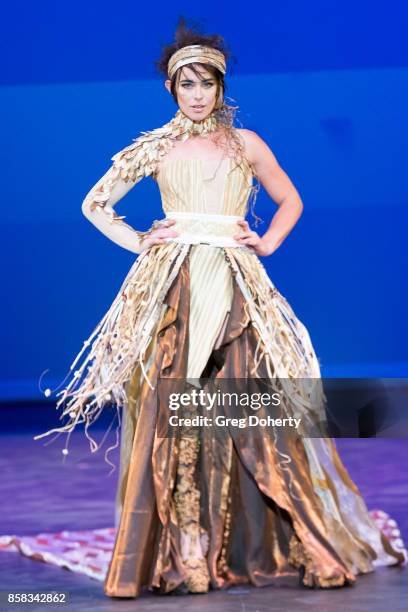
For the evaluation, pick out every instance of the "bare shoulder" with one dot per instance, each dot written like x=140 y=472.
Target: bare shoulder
x=248 y=136
x=255 y=147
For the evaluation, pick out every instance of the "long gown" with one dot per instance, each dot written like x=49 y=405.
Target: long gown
x=201 y=513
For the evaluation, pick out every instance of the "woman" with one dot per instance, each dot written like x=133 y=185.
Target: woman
x=194 y=511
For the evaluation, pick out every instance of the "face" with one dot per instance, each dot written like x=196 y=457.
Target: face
x=195 y=97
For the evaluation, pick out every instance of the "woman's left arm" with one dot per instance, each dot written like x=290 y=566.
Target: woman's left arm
x=279 y=187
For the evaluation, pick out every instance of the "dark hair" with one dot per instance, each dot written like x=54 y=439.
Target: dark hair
x=185 y=36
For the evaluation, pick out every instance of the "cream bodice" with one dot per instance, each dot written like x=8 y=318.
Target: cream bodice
x=219 y=187
x=205 y=196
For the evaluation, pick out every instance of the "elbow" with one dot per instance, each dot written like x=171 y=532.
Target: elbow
x=293 y=203
x=298 y=205
x=86 y=210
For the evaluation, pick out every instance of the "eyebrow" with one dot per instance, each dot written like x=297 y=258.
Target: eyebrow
x=190 y=81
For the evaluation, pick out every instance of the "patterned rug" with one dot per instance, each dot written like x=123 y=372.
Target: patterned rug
x=89 y=552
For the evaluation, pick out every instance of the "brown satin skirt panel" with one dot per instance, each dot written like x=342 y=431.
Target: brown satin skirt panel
x=288 y=498
x=139 y=535
x=263 y=517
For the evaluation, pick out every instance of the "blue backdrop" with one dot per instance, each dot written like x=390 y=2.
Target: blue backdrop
x=323 y=83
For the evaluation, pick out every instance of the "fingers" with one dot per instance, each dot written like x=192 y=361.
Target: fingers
x=161 y=224
x=163 y=229
x=247 y=233
x=243 y=223
x=167 y=222
x=164 y=233
x=244 y=235
x=245 y=240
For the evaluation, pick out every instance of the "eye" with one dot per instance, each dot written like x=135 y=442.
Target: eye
x=208 y=85
x=186 y=85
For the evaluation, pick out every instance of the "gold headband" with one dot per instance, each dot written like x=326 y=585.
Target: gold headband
x=196 y=53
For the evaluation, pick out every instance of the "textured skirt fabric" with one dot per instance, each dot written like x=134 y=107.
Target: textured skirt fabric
x=199 y=512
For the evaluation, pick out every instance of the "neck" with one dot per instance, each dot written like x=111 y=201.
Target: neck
x=204 y=126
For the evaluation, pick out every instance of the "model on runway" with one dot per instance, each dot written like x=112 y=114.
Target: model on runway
x=194 y=512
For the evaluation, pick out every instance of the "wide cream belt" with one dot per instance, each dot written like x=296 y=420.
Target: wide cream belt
x=205 y=228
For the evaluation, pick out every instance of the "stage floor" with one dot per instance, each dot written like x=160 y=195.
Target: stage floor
x=40 y=493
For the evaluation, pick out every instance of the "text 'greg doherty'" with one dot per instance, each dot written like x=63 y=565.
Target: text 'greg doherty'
x=222 y=421
x=207 y=400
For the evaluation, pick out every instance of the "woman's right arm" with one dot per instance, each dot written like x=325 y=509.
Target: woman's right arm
x=98 y=208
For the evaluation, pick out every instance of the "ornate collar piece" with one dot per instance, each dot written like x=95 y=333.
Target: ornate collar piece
x=140 y=158
x=206 y=126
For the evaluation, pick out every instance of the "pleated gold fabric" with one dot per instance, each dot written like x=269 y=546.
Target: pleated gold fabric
x=219 y=186
x=198 y=512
